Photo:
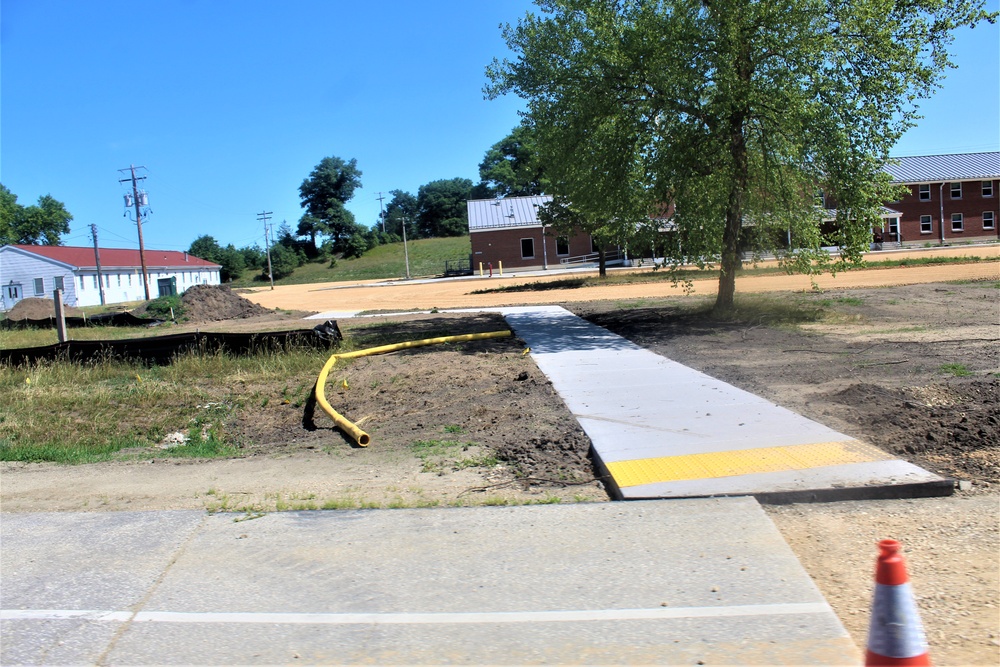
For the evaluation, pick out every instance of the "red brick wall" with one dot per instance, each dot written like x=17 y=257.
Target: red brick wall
x=971 y=206
x=504 y=245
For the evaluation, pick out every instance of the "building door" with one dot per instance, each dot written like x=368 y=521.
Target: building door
x=11 y=295
x=167 y=286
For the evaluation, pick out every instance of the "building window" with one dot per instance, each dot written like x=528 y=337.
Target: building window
x=39 y=286
x=957 y=223
x=894 y=229
x=956 y=190
x=58 y=282
x=95 y=282
x=527 y=248
x=562 y=245
x=119 y=279
x=130 y=280
x=987 y=188
x=81 y=283
x=988 y=220
x=926 y=225
x=925 y=193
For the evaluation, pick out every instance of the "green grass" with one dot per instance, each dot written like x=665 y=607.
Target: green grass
x=427 y=258
x=958 y=370
x=82 y=413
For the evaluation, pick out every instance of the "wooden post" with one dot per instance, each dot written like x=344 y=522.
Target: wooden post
x=60 y=315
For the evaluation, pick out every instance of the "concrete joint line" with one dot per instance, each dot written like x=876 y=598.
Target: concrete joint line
x=129 y=617
x=405 y=618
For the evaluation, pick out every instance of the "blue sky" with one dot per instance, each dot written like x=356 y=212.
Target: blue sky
x=230 y=104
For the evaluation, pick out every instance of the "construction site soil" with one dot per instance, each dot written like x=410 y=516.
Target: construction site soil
x=913 y=369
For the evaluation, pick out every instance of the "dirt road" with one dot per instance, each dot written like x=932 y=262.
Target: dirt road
x=425 y=295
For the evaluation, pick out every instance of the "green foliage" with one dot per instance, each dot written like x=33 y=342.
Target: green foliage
x=511 y=167
x=402 y=206
x=284 y=261
x=41 y=224
x=160 y=307
x=728 y=115
x=442 y=209
x=232 y=260
x=330 y=185
x=958 y=370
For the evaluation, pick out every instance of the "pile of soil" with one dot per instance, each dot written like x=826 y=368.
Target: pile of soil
x=39 y=309
x=213 y=303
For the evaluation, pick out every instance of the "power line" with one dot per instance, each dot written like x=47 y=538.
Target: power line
x=138 y=219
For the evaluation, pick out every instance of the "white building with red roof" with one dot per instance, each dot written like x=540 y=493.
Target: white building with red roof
x=38 y=270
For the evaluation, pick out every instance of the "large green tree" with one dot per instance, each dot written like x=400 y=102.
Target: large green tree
x=511 y=167
x=442 y=208
x=401 y=208
x=732 y=111
x=41 y=224
x=324 y=195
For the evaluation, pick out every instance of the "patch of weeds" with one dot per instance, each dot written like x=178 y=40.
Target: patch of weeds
x=958 y=370
x=549 y=500
x=453 y=428
x=495 y=501
x=441 y=456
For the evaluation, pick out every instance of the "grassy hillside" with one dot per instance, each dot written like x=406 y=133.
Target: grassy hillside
x=427 y=258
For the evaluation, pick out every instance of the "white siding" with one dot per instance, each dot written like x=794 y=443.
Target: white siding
x=121 y=284
x=23 y=269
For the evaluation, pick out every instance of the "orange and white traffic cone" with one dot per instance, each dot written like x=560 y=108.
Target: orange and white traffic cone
x=895 y=634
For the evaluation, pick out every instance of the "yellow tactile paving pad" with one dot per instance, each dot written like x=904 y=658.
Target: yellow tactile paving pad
x=741 y=462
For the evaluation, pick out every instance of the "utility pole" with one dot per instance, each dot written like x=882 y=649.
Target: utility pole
x=264 y=216
x=406 y=253
x=380 y=198
x=138 y=220
x=97 y=260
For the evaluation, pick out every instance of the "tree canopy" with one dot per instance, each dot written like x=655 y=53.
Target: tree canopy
x=442 y=209
x=510 y=167
x=330 y=185
x=233 y=261
x=402 y=207
x=41 y=224
x=729 y=113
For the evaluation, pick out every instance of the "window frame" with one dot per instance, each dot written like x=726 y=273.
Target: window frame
x=921 y=192
x=39 y=286
x=960 y=219
x=564 y=242
x=993 y=220
x=532 y=242
x=58 y=283
x=926 y=224
x=987 y=189
x=956 y=187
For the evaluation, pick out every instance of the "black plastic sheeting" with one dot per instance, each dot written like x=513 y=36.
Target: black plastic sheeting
x=161 y=349
x=103 y=320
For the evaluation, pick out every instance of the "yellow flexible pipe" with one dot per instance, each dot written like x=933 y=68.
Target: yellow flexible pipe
x=350 y=427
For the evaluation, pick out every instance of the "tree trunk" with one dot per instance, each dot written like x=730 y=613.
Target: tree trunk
x=602 y=262
x=731 y=260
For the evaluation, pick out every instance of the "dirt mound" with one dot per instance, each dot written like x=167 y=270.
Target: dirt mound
x=948 y=427
x=211 y=303
x=39 y=309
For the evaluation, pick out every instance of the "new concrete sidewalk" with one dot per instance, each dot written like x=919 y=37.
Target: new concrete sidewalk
x=658 y=582
x=663 y=430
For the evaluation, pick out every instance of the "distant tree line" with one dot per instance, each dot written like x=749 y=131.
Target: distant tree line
x=328 y=231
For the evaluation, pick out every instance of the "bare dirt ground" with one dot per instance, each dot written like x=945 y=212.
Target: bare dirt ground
x=478 y=423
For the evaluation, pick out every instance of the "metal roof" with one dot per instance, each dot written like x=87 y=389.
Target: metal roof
x=116 y=258
x=507 y=212
x=945 y=168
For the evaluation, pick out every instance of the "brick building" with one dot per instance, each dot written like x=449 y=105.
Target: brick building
x=508 y=231
x=961 y=191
